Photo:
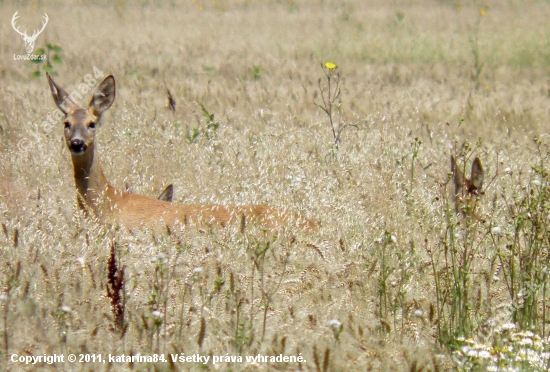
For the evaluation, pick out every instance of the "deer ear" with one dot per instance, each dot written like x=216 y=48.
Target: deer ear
x=60 y=97
x=167 y=194
x=104 y=96
x=478 y=174
x=458 y=177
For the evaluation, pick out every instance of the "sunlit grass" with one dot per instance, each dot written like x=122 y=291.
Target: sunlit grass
x=393 y=280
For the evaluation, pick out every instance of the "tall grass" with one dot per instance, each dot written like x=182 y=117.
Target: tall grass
x=395 y=279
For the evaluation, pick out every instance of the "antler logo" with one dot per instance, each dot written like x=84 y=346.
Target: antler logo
x=29 y=40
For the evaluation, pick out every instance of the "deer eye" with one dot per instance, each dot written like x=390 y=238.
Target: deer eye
x=67 y=125
x=91 y=125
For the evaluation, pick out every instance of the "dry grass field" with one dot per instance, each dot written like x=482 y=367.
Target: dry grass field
x=394 y=280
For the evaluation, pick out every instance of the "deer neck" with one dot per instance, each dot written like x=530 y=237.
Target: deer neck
x=90 y=181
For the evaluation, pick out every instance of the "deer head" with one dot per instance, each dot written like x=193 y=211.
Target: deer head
x=466 y=191
x=29 y=40
x=80 y=123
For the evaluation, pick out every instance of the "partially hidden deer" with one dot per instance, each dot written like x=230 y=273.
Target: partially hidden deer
x=132 y=211
x=467 y=191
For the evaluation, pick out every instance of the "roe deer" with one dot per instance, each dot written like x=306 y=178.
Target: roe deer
x=97 y=195
x=467 y=191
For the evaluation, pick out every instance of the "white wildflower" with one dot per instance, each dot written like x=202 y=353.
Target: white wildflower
x=497 y=230
x=472 y=353
x=335 y=324
x=525 y=342
x=533 y=357
x=484 y=354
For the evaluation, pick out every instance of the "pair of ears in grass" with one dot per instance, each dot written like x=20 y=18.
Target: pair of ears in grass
x=467 y=190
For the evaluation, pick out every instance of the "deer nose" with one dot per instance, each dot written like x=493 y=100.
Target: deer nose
x=77 y=146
